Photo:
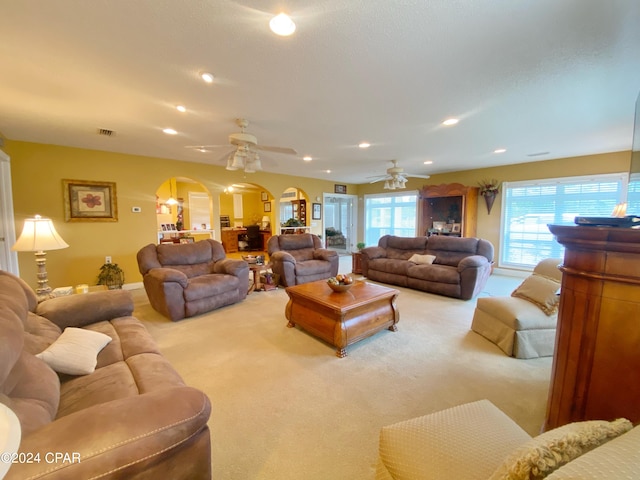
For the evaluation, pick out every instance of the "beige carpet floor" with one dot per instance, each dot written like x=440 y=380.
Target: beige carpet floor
x=285 y=407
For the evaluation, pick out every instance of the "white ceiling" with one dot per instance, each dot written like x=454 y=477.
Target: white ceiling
x=531 y=76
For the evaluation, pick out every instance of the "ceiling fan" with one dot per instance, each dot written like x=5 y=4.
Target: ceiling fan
x=245 y=156
x=395 y=177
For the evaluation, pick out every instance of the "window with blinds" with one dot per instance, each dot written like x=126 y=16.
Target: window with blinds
x=390 y=214
x=529 y=206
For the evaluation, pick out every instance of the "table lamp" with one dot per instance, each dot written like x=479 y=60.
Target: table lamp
x=10 y=434
x=265 y=222
x=38 y=235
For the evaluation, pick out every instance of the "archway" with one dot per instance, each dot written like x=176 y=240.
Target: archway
x=293 y=211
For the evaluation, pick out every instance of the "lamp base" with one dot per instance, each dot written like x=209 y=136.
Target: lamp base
x=44 y=290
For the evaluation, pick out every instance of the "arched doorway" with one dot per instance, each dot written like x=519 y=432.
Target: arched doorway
x=183 y=211
x=293 y=211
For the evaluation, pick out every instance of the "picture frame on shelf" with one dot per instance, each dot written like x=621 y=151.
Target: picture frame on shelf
x=264 y=196
x=89 y=201
x=316 y=212
x=340 y=188
x=456 y=228
x=439 y=226
x=267 y=206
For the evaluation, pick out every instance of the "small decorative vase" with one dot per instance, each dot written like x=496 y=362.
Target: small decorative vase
x=489 y=198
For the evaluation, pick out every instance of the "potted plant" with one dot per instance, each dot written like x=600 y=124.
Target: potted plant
x=111 y=275
x=360 y=246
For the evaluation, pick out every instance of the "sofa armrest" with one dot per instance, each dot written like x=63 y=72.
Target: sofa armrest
x=473 y=261
x=120 y=438
x=374 y=252
x=84 y=309
x=164 y=274
x=231 y=266
x=324 y=254
x=282 y=257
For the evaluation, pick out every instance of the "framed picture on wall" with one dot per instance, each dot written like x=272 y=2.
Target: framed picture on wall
x=264 y=196
x=267 y=206
x=316 y=213
x=340 y=189
x=87 y=201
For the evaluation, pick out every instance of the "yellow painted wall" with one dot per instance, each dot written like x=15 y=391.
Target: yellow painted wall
x=37 y=171
x=489 y=224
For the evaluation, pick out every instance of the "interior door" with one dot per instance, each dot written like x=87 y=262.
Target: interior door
x=340 y=222
x=8 y=258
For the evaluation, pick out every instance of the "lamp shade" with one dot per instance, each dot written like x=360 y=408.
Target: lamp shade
x=38 y=235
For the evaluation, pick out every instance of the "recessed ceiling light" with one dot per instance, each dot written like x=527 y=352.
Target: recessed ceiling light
x=202 y=149
x=207 y=77
x=181 y=108
x=307 y=158
x=328 y=171
x=428 y=162
x=169 y=131
x=450 y=121
x=282 y=25
x=364 y=144
x=500 y=150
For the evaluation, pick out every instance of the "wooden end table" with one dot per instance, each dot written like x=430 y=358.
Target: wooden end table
x=344 y=318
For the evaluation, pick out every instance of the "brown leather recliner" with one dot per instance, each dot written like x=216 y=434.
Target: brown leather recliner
x=300 y=259
x=132 y=417
x=183 y=280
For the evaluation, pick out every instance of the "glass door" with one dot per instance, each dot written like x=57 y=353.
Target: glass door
x=340 y=216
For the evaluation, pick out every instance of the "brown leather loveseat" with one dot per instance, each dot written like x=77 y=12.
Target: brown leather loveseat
x=183 y=280
x=132 y=417
x=451 y=266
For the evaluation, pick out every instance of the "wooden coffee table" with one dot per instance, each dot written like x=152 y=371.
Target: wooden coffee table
x=342 y=319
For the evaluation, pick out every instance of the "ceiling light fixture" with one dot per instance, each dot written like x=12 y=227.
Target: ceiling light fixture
x=171 y=201
x=243 y=158
x=500 y=150
x=207 y=77
x=450 y=121
x=282 y=25
x=307 y=158
x=427 y=162
x=170 y=131
x=364 y=145
x=181 y=108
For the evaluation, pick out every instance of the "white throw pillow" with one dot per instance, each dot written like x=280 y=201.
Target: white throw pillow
x=549 y=451
x=75 y=352
x=422 y=259
x=541 y=291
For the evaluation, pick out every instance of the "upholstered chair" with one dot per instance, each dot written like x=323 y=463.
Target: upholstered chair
x=300 y=259
x=183 y=280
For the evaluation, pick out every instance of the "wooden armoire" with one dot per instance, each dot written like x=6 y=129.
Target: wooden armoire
x=451 y=203
x=596 y=364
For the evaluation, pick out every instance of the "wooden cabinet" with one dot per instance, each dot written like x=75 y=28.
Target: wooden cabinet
x=450 y=204
x=300 y=210
x=229 y=239
x=596 y=365
x=356 y=263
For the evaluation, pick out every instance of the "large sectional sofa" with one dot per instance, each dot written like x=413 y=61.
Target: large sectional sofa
x=451 y=266
x=121 y=413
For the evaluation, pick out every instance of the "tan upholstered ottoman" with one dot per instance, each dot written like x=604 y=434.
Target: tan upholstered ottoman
x=465 y=442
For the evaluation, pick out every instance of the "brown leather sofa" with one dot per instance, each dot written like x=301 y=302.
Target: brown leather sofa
x=460 y=267
x=301 y=259
x=133 y=417
x=183 y=280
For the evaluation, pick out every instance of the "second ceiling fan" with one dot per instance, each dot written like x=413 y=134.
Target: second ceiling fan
x=395 y=177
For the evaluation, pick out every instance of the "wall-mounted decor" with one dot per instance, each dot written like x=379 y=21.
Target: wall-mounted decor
x=267 y=206
x=87 y=201
x=264 y=196
x=316 y=213
x=340 y=189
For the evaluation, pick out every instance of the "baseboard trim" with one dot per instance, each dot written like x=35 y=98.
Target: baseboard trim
x=132 y=286
x=509 y=272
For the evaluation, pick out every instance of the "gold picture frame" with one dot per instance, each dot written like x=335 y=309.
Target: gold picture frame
x=89 y=201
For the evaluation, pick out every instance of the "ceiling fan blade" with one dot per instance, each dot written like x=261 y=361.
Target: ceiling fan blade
x=379 y=179
x=287 y=151
x=208 y=146
x=417 y=176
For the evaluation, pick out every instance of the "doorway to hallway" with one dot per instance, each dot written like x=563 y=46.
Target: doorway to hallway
x=340 y=217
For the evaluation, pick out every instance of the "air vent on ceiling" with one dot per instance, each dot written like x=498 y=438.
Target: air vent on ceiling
x=106 y=132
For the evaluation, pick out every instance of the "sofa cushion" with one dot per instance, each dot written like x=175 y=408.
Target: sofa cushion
x=541 y=291
x=434 y=273
x=206 y=286
x=312 y=267
x=422 y=259
x=75 y=352
x=549 y=451
x=39 y=333
x=451 y=250
x=388 y=265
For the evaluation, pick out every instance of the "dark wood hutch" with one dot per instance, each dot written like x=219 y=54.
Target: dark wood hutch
x=450 y=204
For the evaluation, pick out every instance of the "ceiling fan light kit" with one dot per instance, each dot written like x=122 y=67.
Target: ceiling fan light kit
x=395 y=178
